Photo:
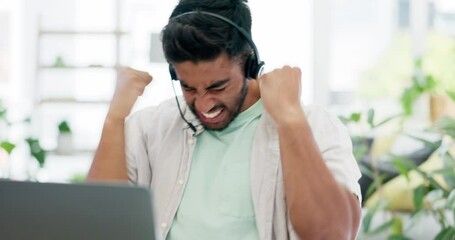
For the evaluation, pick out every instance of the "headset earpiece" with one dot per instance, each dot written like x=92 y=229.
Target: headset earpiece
x=250 y=66
x=253 y=67
x=172 y=73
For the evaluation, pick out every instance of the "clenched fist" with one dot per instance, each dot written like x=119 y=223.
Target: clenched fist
x=130 y=85
x=280 y=93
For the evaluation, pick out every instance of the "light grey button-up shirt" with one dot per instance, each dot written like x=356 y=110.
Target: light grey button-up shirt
x=159 y=147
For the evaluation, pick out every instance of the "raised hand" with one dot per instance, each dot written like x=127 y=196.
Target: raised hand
x=130 y=85
x=280 y=93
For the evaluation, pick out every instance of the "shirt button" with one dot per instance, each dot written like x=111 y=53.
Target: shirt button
x=164 y=225
x=181 y=182
x=199 y=127
x=191 y=141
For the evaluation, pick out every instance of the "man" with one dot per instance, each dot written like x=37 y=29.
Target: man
x=243 y=159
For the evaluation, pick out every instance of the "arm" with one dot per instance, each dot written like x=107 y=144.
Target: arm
x=319 y=207
x=109 y=162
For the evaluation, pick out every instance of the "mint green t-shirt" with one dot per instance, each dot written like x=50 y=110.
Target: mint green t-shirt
x=217 y=201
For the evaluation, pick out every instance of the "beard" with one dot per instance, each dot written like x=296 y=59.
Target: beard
x=231 y=111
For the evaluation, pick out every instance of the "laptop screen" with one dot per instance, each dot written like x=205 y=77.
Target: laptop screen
x=51 y=211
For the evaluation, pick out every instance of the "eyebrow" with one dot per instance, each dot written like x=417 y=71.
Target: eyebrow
x=211 y=86
x=218 y=84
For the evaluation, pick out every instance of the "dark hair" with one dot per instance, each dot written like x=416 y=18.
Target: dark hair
x=201 y=37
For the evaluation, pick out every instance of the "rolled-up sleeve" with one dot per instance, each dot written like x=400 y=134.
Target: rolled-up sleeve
x=137 y=161
x=335 y=144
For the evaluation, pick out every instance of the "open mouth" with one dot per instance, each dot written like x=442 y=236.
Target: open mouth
x=212 y=116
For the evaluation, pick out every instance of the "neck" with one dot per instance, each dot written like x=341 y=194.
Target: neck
x=252 y=96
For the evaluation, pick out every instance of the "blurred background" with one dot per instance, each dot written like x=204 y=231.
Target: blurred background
x=58 y=61
x=58 y=70
x=385 y=67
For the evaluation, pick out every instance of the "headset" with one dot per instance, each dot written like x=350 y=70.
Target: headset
x=253 y=65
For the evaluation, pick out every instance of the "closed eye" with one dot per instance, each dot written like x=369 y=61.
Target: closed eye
x=186 y=88
x=218 y=86
x=218 y=89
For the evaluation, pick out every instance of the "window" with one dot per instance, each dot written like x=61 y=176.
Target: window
x=360 y=33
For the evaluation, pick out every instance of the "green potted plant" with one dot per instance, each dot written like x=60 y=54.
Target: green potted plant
x=431 y=191
x=65 y=138
x=39 y=154
x=424 y=191
x=426 y=84
x=6 y=147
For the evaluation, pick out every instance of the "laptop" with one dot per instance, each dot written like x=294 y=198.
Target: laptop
x=56 y=211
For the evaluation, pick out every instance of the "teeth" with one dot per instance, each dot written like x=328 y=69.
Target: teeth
x=212 y=114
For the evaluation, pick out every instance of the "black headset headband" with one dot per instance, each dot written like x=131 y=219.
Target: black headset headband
x=257 y=62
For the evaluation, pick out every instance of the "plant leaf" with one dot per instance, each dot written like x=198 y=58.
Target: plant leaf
x=446 y=234
x=381 y=228
x=354 y=117
x=419 y=194
x=366 y=221
x=449 y=163
x=377 y=182
x=398 y=237
x=430 y=83
x=344 y=120
x=417 y=80
x=387 y=120
x=401 y=168
x=371 y=212
x=446 y=172
x=433 y=145
x=366 y=171
x=435 y=195
x=446 y=125
x=36 y=151
x=371 y=117
x=408 y=164
x=408 y=98
x=451 y=94
x=64 y=127
x=418 y=63
x=7 y=146
x=397 y=227
x=450 y=204
x=431 y=180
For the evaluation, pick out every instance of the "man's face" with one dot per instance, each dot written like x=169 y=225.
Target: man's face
x=215 y=90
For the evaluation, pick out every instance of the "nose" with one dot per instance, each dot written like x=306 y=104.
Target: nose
x=204 y=102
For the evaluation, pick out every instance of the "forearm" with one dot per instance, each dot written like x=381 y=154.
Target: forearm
x=319 y=207
x=109 y=162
